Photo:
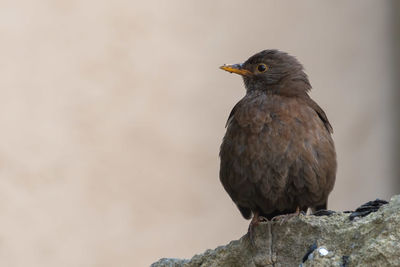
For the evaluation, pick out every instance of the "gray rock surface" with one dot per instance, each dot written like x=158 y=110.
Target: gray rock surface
x=373 y=240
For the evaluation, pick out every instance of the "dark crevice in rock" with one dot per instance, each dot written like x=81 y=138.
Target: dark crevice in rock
x=309 y=251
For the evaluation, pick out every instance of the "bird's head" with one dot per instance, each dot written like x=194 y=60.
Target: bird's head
x=272 y=71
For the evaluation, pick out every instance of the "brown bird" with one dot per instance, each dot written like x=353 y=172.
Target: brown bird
x=277 y=156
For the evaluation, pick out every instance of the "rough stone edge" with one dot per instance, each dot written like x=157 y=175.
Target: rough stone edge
x=240 y=246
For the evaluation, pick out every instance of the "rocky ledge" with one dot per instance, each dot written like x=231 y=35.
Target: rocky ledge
x=361 y=238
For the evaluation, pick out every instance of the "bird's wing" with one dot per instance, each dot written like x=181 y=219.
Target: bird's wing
x=321 y=114
x=232 y=113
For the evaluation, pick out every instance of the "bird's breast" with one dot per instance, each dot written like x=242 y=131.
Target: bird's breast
x=255 y=113
x=274 y=129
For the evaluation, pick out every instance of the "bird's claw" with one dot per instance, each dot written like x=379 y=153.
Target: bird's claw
x=286 y=217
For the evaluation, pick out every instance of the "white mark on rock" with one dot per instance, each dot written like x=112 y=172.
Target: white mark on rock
x=323 y=251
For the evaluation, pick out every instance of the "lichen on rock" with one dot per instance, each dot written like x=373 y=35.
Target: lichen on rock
x=306 y=240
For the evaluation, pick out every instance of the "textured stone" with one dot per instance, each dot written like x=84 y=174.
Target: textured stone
x=332 y=240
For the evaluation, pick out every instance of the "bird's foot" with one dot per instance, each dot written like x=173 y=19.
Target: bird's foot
x=286 y=217
x=262 y=219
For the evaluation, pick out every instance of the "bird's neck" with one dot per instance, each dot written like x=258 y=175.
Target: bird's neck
x=290 y=86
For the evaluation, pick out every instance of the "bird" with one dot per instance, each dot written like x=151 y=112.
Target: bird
x=277 y=156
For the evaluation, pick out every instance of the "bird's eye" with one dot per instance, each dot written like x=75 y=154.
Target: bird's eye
x=262 y=67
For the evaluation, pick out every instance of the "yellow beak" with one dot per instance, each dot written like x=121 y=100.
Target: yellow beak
x=236 y=68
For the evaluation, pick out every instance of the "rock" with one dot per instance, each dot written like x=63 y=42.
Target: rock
x=306 y=240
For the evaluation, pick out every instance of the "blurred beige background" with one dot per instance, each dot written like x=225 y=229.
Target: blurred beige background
x=112 y=113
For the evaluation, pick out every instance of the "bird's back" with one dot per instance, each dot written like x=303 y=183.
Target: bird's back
x=277 y=155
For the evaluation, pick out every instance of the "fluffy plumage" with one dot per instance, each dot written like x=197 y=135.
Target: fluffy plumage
x=277 y=154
